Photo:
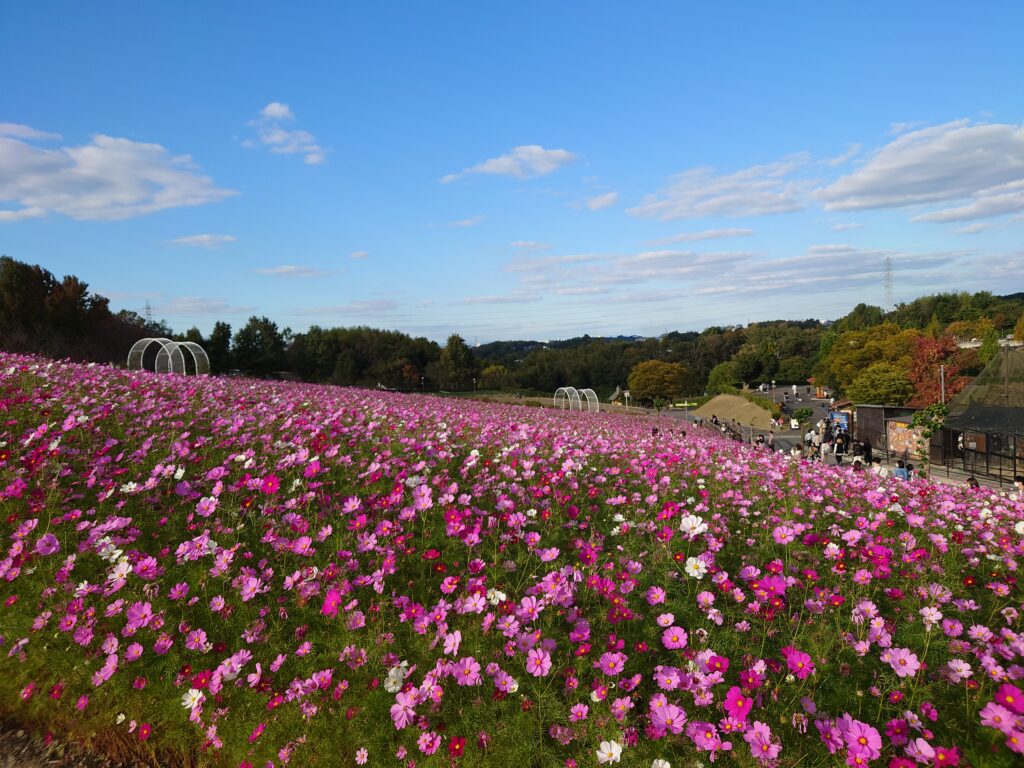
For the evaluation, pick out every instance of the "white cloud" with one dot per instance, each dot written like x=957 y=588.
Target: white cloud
x=754 y=191
x=272 y=133
x=193 y=305
x=546 y=263
x=1006 y=198
x=472 y=221
x=292 y=270
x=707 y=234
x=358 y=255
x=849 y=154
x=203 y=241
x=514 y=298
x=523 y=162
x=105 y=180
x=275 y=110
x=981 y=164
x=844 y=226
x=975 y=228
x=603 y=201
x=19 y=131
x=359 y=308
x=530 y=245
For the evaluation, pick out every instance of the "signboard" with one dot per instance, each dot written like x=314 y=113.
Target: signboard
x=840 y=420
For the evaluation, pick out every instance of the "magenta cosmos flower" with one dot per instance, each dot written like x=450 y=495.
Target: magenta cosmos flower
x=538 y=662
x=674 y=638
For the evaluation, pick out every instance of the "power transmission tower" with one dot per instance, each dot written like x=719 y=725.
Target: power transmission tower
x=149 y=313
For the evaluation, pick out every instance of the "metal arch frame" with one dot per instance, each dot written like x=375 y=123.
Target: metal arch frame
x=199 y=356
x=593 y=404
x=567 y=393
x=170 y=358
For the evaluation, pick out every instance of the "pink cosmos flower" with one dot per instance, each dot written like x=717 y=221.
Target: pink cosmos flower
x=332 y=600
x=759 y=737
x=1010 y=696
x=578 y=713
x=669 y=718
x=903 y=661
x=612 y=663
x=467 y=671
x=862 y=740
x=997 y=716
x=799 y=663
x=428 y=742
x=47 y=544
x=402 y=711
x=736 y=704
x=674 y=638
x=538 y=662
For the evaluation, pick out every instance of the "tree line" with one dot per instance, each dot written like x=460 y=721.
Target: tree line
x=870 y=354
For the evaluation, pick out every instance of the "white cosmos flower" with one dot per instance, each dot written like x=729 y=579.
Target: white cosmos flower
x=659 y=763
x=192 y=698
x=609 y=752
x=1019 y=528
x=396 y=678
x=695 y=567
x=692 y=525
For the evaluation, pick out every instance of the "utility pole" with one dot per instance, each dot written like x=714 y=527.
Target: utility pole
x=942 y=382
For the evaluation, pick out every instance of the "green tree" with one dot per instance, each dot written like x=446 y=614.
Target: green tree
x=803 y=415
x=989 y=344
x=881 y=383
x=724 y=377
x=218 y=348
x=929 y=420
x=456 y=367
x=259 y=347
x=854 y=351
x=656 y=379
x=1018 y=329
x=495 y=377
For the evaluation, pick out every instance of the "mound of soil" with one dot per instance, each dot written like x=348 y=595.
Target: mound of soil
x=729 y=407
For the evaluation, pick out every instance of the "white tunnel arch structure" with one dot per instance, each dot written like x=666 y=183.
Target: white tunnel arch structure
x=170 y=358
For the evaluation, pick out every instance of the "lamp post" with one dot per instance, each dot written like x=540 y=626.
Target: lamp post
x=773 y=390
x=474 y=386
x=626 y=394
x=421 y=383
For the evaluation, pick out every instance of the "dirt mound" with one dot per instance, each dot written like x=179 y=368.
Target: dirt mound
x=728 y=407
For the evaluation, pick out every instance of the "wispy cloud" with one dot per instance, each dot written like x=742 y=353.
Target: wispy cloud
x=599 y=202
x=845 y=226
x=472 y=221
x=358 y=255
x=979 y=166
x=203 y=241
x=851 y=151
x=523 y=162
x=293 y=270
x=754 y=191
x=372 y=308
x=530 y=245
x=514 y=298
x=105 y=180
x=272 y=133
x=707 y=234
x=187 y=306
x=26 y=132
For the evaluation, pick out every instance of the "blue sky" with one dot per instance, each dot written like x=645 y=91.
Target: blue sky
x=513 y=170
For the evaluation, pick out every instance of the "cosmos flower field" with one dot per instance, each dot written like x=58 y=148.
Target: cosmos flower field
x=229 y=572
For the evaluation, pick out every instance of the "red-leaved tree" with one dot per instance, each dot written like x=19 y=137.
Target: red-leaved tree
x=929 y=355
